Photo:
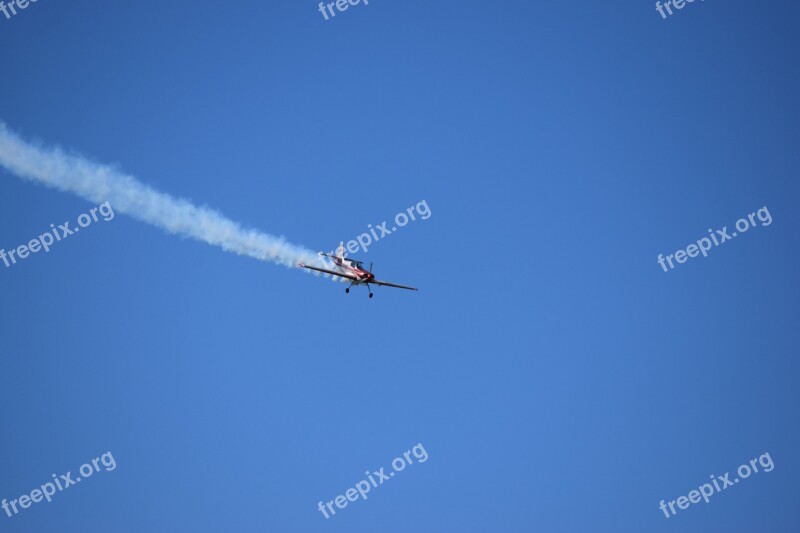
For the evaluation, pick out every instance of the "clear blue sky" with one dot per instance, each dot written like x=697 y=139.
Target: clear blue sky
x=557 y=377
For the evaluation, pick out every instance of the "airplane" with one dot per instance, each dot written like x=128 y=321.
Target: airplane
x=354 y=271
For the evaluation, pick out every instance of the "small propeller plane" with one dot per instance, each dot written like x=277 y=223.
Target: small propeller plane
x=354 y=271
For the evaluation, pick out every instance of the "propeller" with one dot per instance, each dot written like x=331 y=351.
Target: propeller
x=370 y=266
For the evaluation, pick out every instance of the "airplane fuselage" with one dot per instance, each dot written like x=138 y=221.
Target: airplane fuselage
x=363 y=275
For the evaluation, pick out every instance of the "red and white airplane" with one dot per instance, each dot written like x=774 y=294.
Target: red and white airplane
x=354 y=271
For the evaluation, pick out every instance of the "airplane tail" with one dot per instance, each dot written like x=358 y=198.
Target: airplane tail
x=340 y=250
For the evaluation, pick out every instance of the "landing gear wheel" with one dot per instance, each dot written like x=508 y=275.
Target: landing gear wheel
x=347 y=290
x=370 y=295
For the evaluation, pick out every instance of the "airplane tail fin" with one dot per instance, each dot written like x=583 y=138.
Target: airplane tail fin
x=340 y=250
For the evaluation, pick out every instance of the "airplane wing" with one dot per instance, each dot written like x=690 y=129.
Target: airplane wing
x=387 y=284
x=335 y=273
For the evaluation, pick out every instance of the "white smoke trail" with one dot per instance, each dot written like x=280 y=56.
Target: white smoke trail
x=99 y=183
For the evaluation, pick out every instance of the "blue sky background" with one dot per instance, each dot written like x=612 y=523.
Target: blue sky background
x=557 y=377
